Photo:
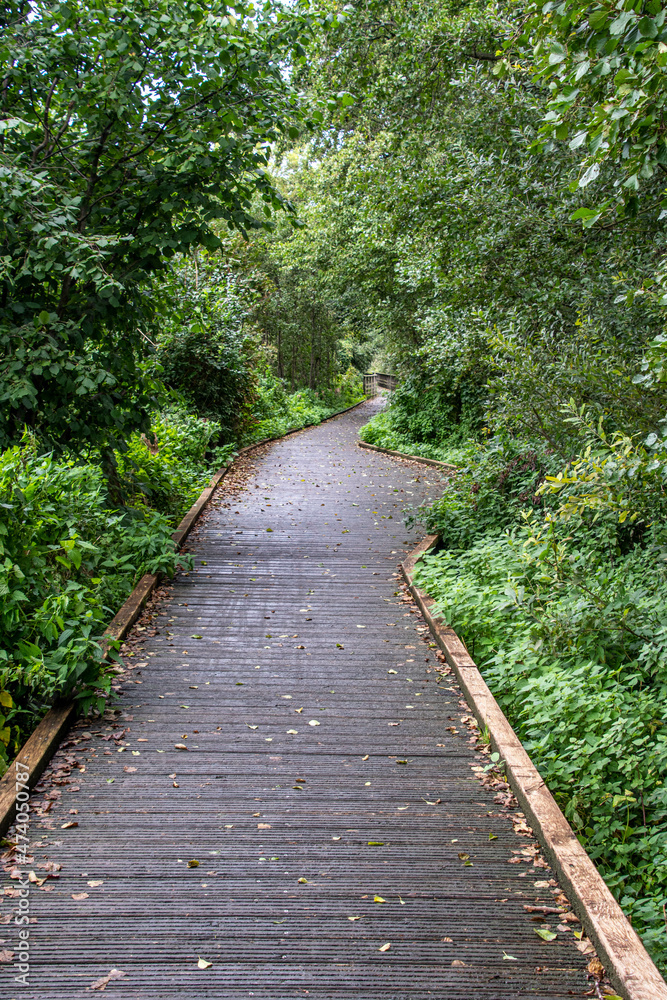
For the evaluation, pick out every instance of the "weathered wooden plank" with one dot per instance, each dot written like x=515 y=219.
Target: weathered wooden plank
x=291 y=615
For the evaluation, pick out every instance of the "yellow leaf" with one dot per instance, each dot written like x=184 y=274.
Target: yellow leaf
x=379 y=899
x=203 y=964
x=385 y=947
x=6 y=699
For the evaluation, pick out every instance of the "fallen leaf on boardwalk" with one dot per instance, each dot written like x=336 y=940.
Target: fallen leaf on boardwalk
x=195 y=637
x=365 y=758
x=69 y=825
x=401 y=761
x=385 y=947
x=546 y=935
x=361 y=626
x=95 y=882
x=203 y=964
x=401 y=901
x=585 y=947
x=379 y=899
x=101 y=984
x=447 y=940
x=458 y=964
x=509 y=958
x=393 y=723
x=32 y=877
x=6 y=955
x=298 y=710
x=263 y=826
x=492 y=836
x=391 y=671
x=354 y=918
x=302 y=881
x=78 y=896
x=129 y=770
x=193 y=864
x=376 y=843
x=313 y=722
x=180 y=746
x=463 y=856
x=251 y=727
x=293 y=732
x=541 y=885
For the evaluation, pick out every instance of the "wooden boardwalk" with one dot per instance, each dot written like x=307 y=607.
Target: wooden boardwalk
x=325 y=806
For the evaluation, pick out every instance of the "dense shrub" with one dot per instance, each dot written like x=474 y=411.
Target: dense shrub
x=68 y=562
x=168 y=470
x=570 y=634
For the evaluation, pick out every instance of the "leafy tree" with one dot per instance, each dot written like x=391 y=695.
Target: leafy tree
x=127 y=131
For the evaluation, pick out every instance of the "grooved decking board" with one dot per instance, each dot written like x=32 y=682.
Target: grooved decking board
x=332 y=550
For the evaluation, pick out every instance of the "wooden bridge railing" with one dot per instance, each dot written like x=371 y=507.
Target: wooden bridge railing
x=378 y=380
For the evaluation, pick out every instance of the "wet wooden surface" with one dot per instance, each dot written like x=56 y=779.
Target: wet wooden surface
x=326 y=764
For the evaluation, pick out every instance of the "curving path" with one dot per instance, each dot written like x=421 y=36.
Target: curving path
x=325 y=807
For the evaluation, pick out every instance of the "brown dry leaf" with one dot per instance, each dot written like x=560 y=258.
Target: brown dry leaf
x=263 y=826
x=585 y=947
x=78 y=896
x=101 y=984
x=180 y=746
x=354 y=918
x=32 y=877
x=95 y=882
x=595 y=968
x=458 y=964
x=69 y=825
x=129 y=770
x=6 y=955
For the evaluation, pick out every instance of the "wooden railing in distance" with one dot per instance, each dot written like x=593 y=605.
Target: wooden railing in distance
x=379 y=380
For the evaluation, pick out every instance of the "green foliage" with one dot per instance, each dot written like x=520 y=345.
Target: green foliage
x=570 y=634
x=126 y=133
x=490 y=491
x=203 y=352
x=67 y=563
x=278 y=411
x=168 y=469
x=605 y=65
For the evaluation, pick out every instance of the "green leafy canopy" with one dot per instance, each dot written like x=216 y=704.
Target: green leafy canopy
x=127 y=133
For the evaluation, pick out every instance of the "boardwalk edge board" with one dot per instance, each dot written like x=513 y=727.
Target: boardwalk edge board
x=626 y=961
x=38 y=749
x=411 y=458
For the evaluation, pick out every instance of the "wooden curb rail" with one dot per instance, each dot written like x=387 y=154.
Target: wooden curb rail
x=410 y=458
x=38 y=749
x=626 y=961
